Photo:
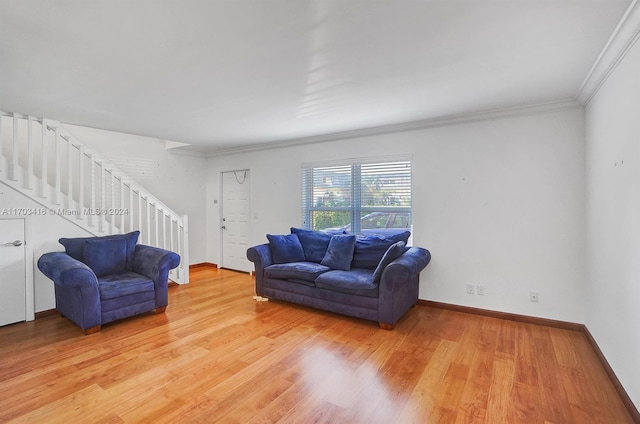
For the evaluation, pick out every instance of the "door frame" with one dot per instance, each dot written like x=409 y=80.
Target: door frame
x=29 y=265
x=221 y=208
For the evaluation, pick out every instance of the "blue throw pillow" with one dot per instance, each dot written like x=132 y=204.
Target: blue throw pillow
x=74 y=247
x=339 y=253
x=392 y=253
x=314 y=243
x=106 y=256
x=370 y=250
x=285 y=248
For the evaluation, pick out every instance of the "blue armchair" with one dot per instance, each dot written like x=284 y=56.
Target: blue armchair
x=102 y=279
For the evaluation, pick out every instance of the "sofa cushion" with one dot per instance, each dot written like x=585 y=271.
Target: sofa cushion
x=295 y=271
x=119 y=285
x=356 y=281
x=303 y=282
x=285 y=248
x=340 y=252
x=314 y=243
x=75 y=246
x=393 y=252
x=369 y=250
x=106 y=256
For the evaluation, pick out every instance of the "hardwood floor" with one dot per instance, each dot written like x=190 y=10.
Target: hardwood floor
x=217 y=355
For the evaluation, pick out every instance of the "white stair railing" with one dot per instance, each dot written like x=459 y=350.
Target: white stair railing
x=42 y=160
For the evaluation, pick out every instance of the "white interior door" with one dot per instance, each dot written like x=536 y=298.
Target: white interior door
x=13 y=294
x=236 y=209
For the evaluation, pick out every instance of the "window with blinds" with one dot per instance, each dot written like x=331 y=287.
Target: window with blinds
x=357 y=198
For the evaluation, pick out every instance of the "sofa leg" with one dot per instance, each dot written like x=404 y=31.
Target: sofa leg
x=386 y=326
x=92 y=330
x=160 y=310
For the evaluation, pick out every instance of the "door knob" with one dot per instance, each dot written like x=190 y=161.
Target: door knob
x=16 y=243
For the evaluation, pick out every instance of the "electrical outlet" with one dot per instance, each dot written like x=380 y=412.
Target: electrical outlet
x=533 y=296
x=480 y=290
x=470 y=289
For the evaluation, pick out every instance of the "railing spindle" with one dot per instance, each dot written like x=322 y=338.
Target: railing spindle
x=103 y=180
x=80 y=181
x=112 y=182
x=139 y=209
x=164 y=230
x=58 y=153
x=15 y=150
x=44 y=163
x=29 y=176
x=155 y=223
x=130 y=207
x=121 y=206
x=148 y=221
x=92 y=190
x=171 y=234
x=69 y=175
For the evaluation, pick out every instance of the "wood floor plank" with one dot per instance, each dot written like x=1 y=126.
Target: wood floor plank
x=216 y=355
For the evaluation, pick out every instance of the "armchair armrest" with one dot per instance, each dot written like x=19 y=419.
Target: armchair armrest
x=155 y=263
x=76 y=289
x=67 y=271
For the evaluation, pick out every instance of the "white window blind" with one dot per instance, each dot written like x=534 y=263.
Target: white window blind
x=359 y=198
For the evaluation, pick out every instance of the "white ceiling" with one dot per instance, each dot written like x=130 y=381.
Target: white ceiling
x=223 y=75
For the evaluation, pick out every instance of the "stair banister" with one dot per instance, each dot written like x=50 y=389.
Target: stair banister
x=74 y=195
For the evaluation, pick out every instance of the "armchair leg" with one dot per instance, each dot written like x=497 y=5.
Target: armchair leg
x=92 y=330
x=386 y=326
x=160 y=310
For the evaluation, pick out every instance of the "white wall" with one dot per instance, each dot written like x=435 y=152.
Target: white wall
x=497 y=202
x=613 y=220
x=177 y=180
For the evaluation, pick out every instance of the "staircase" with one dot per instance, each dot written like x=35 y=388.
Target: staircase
x=43 y=161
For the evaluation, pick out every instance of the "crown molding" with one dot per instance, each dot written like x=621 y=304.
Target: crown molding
x=622 y=39
x=405 y=126
x=187 y=151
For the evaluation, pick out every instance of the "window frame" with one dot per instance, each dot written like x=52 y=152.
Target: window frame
x=355 y=208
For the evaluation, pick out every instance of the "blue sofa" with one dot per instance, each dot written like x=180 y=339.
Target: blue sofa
x=102 y=279
x=374 y=278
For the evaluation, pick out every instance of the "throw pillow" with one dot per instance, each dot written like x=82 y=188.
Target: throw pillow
x=106 y=256
x=75 y=246
x=314 y=243
x=340 y=252
x=370 y=249
x=285 y=248
x=392 y=253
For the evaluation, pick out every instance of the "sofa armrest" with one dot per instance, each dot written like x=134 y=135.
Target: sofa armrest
x=399 y=285
x=155 y=263
x=67 y=271
x=261 y=257
x=405 y=267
